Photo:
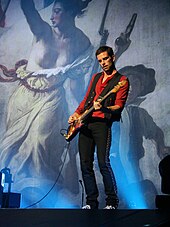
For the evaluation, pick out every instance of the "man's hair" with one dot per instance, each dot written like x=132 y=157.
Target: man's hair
x=103 y=49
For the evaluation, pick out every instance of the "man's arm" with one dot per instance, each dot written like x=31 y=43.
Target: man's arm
x=121 y=96
x=80 y=108
x=37 y=25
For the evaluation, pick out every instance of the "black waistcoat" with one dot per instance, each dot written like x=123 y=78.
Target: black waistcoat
x=109 y=101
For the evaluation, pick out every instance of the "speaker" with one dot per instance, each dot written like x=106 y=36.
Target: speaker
x=162 y=201
x=164 y=170
x=10 y=200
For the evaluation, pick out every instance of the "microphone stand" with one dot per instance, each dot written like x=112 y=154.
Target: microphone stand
x=82 y=194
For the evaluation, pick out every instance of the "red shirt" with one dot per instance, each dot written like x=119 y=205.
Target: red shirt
x=121 y=94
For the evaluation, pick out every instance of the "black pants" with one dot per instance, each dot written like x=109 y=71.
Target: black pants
x=97 y=133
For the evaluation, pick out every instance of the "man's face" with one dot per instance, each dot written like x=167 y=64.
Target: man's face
x=106 y=61
x=57 y=16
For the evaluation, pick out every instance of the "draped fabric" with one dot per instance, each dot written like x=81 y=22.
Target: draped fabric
x=32 y=146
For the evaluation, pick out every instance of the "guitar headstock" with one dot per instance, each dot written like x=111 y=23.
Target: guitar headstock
x=119 y=85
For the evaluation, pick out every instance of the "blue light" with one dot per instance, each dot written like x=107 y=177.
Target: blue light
x=132 y=194
x=127 y=176
x=32 y=198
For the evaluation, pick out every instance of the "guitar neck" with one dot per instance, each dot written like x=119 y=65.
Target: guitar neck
x=87 y=112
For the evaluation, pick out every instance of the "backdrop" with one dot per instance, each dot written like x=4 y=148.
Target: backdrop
x=47 y=56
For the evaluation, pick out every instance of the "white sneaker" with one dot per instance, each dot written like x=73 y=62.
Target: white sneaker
x=109 y=207
x=86 y=207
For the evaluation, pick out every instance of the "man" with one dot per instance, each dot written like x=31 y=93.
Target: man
x=97 y=129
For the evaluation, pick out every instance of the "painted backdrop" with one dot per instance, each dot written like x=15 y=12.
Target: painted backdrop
x=47 y=56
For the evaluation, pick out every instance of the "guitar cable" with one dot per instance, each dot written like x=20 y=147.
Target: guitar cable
x=63 y=132
x=66 y=152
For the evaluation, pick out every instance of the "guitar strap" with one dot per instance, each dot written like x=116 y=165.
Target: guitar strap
x=113 y=82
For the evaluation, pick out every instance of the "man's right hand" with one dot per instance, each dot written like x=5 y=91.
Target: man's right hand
x=73 y=118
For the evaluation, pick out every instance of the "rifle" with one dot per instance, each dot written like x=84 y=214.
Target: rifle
x=123 y=41
x=104 y=33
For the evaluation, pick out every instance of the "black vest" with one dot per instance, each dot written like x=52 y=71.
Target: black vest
x=109 y=101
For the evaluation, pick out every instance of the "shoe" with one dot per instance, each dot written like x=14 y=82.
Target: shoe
x=109 y=207
x=88 y=207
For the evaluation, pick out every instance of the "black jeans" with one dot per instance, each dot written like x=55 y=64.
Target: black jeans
x=97 y=133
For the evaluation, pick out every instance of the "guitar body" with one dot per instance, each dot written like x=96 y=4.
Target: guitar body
x=72 y=130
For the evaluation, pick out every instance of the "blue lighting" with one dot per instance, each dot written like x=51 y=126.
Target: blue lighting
x=35 y=198
x=132 y=194
x=129 y=186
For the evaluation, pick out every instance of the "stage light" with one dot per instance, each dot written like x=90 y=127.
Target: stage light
x=8 y=198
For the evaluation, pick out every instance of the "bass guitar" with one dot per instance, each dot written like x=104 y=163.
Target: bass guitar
x=74 y=128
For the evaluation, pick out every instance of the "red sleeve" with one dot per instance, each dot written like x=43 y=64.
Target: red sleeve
x=122 y=94
x=80 y=108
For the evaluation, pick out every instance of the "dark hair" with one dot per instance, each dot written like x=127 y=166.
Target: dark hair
x=77 y=7
x=103 y=49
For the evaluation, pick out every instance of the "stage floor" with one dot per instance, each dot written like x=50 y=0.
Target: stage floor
x=83 y=218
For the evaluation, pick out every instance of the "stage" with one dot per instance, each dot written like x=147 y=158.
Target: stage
x=10 y=217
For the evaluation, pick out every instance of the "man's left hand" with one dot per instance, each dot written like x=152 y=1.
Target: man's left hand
x=97 y=105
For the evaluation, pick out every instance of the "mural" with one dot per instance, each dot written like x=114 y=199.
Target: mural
x=47 y=58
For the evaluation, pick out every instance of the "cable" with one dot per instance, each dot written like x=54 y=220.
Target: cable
x=67 y=148
x=63 y=131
